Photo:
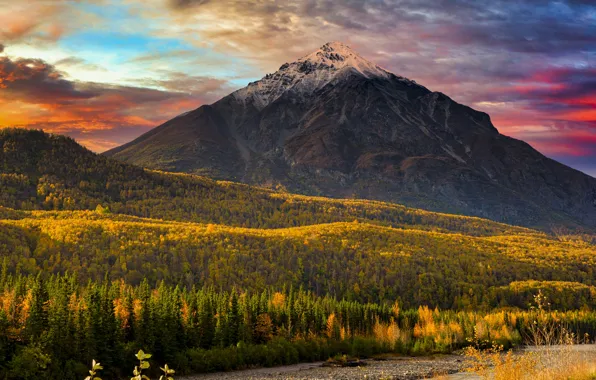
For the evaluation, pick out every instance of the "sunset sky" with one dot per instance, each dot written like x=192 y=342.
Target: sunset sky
x=105 y=71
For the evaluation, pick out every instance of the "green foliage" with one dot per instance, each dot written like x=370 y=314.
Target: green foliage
x=143 y=365
x=138 y=374
x=167 y=373
x=30 y=363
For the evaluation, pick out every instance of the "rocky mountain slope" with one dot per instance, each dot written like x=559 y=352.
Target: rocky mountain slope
x=335 y=124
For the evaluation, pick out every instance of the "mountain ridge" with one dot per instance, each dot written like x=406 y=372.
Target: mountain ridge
x=332 y=123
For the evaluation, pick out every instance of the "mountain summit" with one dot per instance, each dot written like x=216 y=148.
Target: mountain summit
x=331 y=62
x=335 y=124
x=337 y=56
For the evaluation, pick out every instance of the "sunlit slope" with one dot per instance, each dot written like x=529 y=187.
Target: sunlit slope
x=354 y=260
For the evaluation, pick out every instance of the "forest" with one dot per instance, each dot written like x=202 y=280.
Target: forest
x=356 y=261
x=100 y=259
x=53 y=327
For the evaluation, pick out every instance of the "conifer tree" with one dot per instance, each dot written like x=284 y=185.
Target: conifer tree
x=38 y=315
x=233 y=320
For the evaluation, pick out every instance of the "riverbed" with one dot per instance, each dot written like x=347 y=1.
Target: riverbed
x=390 y=367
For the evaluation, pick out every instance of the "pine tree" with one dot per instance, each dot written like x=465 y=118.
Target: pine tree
x=37 y=320
x=233 y=320
x=206 y=321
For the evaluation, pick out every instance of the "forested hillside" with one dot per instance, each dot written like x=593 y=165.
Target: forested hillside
x=356 y=261
x=101 y=259
x=48 y=172
x=190 y=230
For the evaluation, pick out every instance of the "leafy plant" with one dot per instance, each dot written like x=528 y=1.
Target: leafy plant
x=95 y=367
x=138 y=372
x=30 y=363
x=167 y=373
x=143 y=364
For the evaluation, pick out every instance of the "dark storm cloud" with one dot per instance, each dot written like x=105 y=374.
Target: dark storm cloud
x=559 y=90
x=568 y=83
x=38 y=81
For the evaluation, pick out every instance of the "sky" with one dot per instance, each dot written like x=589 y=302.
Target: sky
x=106 y=71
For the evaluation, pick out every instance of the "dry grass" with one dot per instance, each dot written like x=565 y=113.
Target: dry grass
x=439 y=377
x=560 y=363
x=554 y=356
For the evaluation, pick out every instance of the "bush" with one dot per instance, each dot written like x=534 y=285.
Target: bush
x=30 y=363
x=366 y=347
x=139 y=372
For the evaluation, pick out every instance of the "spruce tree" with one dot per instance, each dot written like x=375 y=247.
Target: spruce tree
x=233 y=320
x=37 y=320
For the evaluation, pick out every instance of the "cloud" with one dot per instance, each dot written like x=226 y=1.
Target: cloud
x=24 y=20
x=567 y=84
x=527 y=27
x=563 y=95
x=208 y=87
x=77 y=62
x=185 y=4
x=37 y=81
x=35 y=94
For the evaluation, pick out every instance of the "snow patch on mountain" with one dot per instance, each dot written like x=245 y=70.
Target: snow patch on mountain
x=339 y=56
x=310 y=73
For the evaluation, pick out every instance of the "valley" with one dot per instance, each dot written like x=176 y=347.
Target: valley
x=101 y=258
x=329 y=220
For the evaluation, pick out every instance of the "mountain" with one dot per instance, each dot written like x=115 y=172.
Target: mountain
x=39 y=171
x=333 y=123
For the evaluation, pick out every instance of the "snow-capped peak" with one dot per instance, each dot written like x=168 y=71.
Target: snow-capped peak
x=308 y=74
x=339 y=55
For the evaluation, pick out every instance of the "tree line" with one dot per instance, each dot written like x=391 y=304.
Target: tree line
x=52 y=327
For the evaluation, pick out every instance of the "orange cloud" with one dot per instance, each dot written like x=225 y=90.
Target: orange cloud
x=34 y=94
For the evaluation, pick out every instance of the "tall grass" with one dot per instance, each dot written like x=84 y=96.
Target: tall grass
x=552 y=355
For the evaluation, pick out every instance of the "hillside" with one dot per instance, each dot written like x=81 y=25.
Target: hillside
x=332 y=123
x=357 y=261
x=134 y=223
x=48 y=172
x=100 y=259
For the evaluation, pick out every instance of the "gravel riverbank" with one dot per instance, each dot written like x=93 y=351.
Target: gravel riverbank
x=388 y=368
x=394 y=368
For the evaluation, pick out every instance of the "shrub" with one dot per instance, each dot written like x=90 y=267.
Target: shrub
x=138 y=372
x=30 y=363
